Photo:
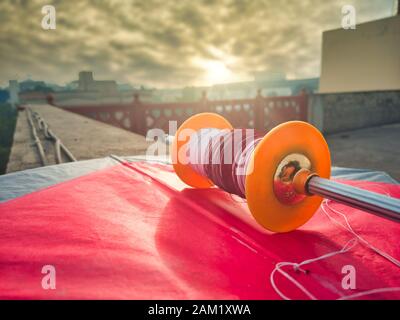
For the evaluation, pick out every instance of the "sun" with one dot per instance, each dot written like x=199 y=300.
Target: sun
x=222 y=68
x=216 y=72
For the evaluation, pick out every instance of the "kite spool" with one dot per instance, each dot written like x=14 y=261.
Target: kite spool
x=286 y=173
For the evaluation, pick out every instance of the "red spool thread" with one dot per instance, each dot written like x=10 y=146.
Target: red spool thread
x=223 y=156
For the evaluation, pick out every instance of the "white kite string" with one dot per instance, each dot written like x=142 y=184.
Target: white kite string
x=325 y=205
x=348 y=246
x=296 y=266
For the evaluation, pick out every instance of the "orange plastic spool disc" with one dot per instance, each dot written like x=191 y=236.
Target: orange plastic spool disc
x=294 y=137
x=179 y=160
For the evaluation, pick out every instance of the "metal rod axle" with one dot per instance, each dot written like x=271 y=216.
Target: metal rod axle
x=371 y=202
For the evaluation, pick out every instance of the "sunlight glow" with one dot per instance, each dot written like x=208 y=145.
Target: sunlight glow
x=216 y=72
x=218 y=68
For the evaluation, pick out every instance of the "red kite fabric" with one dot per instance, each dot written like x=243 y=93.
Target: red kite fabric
x=134 y=231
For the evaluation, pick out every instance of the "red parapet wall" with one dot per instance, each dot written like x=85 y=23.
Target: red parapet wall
x=260 y=113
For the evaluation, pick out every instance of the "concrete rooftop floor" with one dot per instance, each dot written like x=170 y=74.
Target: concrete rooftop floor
x=375 y=148
x=84 y=137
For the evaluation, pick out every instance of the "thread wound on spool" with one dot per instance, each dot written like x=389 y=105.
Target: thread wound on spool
x=223 y=156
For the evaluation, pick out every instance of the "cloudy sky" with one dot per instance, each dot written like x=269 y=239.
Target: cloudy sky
x=170 y=43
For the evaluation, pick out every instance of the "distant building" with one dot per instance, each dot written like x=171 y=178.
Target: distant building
x=262 y=76
x=364 y=59
x=87 y=83
x=270 y=84
x=32 y=85
x=13 y=89
x=124 y=87
x=84 y=91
